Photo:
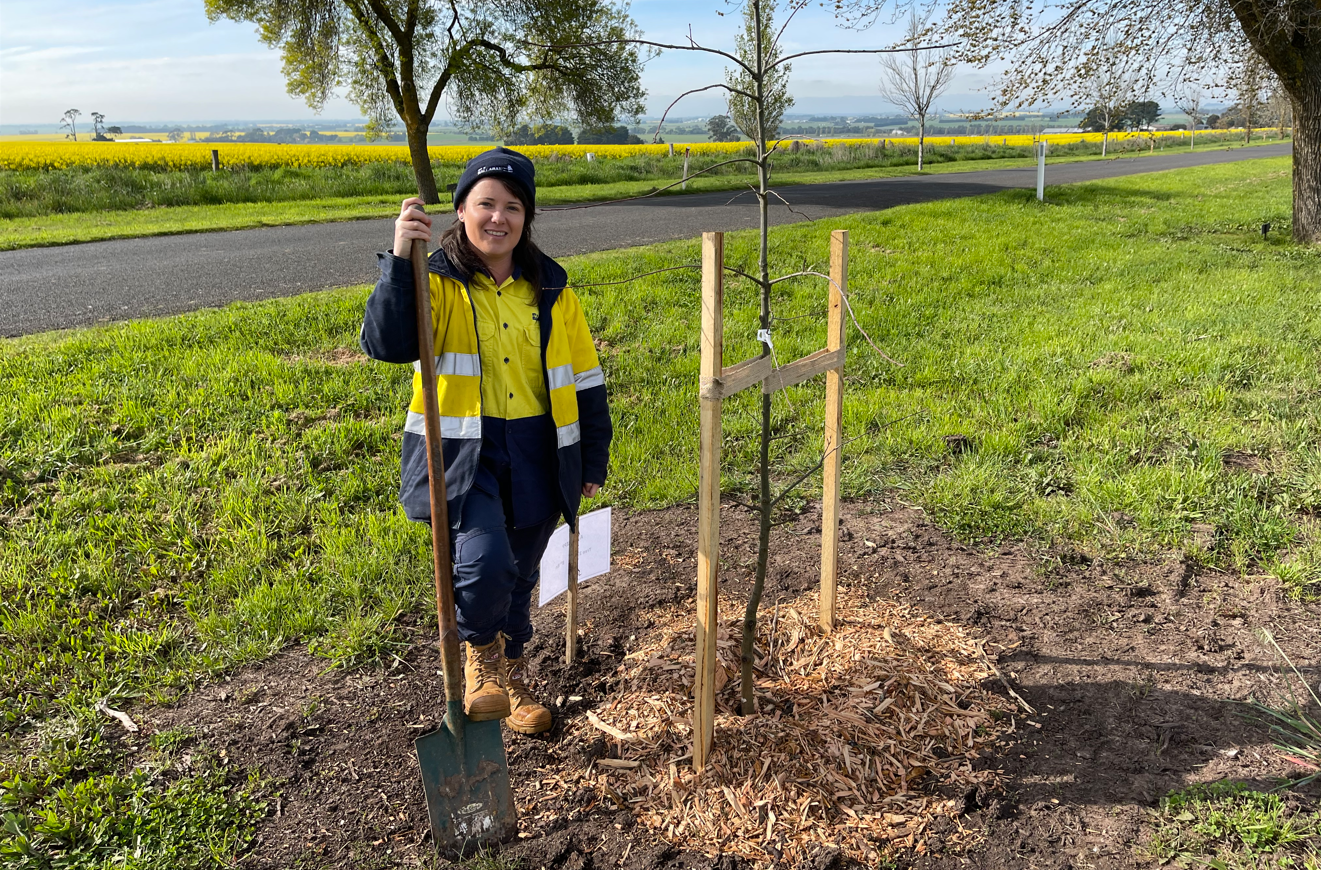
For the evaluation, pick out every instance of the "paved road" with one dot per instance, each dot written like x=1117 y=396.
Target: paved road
x=77 y=285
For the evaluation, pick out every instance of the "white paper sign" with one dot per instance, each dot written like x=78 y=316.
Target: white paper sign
x=555 y=566
x=593 y=555
x=594 y=544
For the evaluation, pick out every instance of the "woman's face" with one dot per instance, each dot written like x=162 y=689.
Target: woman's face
x=493 y=219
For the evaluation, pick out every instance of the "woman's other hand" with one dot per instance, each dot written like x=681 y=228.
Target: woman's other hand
x=413 y=223
x=591 y=489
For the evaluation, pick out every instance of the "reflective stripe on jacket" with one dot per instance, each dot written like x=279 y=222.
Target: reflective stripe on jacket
x=574 y=381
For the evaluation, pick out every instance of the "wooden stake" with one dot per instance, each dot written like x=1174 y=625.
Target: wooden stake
x=708 y=499
x=571 y=602
x=839 y=276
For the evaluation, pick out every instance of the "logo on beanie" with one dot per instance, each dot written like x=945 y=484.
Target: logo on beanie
x=484 y=169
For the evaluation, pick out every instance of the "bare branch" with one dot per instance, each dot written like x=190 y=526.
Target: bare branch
x=845 y=297
x=597 y=44
x=792 y=210
x=653 y=193
x=639 y=277
x=860 y=51
x=666 y=113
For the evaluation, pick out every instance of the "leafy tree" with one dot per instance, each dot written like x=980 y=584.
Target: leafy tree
x=776 y=84
x=491 y=60
x=915 y=78
x=114 y=131
x=608 y=136
x=1052 y=45
x=98 y=127
x=720 y=129
x=70 y=123
x=541 y=134
x=1142 y=114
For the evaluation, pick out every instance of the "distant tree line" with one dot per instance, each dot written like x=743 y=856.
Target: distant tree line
x=558 y=134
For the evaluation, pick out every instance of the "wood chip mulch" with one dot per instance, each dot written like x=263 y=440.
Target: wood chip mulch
x=857 y=734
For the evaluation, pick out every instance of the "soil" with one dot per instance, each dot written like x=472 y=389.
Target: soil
x=1136 y=671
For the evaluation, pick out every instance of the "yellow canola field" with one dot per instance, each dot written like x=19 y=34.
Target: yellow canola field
x=161 y=155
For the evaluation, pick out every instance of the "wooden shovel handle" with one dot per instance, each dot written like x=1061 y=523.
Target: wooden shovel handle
x=440 y=527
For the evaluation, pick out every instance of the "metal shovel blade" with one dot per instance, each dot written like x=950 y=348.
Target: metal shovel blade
x=466 y=780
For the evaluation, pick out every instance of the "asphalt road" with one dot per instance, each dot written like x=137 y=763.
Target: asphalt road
x=79 y=285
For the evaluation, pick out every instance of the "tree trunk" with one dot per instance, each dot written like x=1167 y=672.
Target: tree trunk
x=1105 y=139
x=417 y=153
x=1307 y=167
x=921 y=138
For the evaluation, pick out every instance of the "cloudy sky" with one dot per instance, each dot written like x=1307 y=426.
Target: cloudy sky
x=159 y=60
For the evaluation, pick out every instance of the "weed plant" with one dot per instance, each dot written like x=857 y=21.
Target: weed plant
x=1229 y=826
x=1123 y=368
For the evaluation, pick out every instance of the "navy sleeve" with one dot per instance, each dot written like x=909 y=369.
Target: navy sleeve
x=389 y=325
x=596 y=431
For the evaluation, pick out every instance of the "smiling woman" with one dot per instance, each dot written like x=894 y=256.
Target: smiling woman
x=524 y=425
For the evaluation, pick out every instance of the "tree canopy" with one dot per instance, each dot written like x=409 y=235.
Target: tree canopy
x=742 y=110
x=489 y=60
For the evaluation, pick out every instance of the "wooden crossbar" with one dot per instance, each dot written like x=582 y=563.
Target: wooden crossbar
x=800 y=370
x=737 y=377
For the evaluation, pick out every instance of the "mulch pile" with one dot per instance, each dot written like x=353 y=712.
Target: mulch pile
x=847 y=725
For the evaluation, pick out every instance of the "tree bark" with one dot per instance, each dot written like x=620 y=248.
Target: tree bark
x=1307 y=167
x=921 y=138
x=417 y=153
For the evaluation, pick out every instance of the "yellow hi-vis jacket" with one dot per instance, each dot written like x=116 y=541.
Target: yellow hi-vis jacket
x=579 y=415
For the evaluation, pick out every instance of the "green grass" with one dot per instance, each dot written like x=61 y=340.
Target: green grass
x=40 y=209
x=1228 y=826
x=182 y=496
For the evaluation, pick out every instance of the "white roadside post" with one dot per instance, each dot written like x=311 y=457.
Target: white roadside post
x=1041 y=171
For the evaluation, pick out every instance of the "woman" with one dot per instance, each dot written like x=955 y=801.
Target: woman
x=524 y=424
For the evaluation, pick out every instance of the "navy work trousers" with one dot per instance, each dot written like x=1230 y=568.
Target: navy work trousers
x=496 y=566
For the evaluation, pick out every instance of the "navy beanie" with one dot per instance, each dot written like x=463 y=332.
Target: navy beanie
x=503 y=164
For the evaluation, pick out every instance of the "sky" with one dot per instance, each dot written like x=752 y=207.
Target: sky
x=162 y=60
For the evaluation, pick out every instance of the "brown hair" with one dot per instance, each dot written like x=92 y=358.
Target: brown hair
x=527 y=256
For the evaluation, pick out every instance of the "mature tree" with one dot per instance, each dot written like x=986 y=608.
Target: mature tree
x=915 y=78
x=540 y=134
x=742 y=110
x=614 y=135
x=98 y=126
x=114 y=131
x=1188 y=99
x=70 y=122
x=720 y=129
x=1045 y=41
x=1142 y=114
x=397 y=58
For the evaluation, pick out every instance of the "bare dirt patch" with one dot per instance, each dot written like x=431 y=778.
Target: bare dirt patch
x=1136 y=670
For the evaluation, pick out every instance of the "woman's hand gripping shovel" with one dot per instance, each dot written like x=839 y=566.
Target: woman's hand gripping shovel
x=464 y=772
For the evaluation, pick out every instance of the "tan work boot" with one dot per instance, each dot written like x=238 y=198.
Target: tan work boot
x=527 y=716
x=484 y=698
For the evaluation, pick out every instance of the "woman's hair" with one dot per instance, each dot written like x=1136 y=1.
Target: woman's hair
x=527 y=256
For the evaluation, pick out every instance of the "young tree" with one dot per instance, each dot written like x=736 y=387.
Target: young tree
x=915 y=78
x=1188 y=99
x=1109 y=88
x=719 y=129
x=776 y=85
x=1280 y=108
x=1251 y=80
x=70 y=123
x=397 y=58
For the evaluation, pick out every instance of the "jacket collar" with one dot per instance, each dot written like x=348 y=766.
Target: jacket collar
x=553 y=277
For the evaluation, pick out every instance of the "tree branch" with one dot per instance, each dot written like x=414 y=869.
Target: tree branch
x=666 y=113
x=653 y=193
x=597 y=44
x=845 y=297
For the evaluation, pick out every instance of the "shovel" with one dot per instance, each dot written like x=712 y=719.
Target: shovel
x=464 y=772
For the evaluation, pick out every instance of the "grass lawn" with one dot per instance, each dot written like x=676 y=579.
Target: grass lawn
x=63 y=228
x=1131 y=366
